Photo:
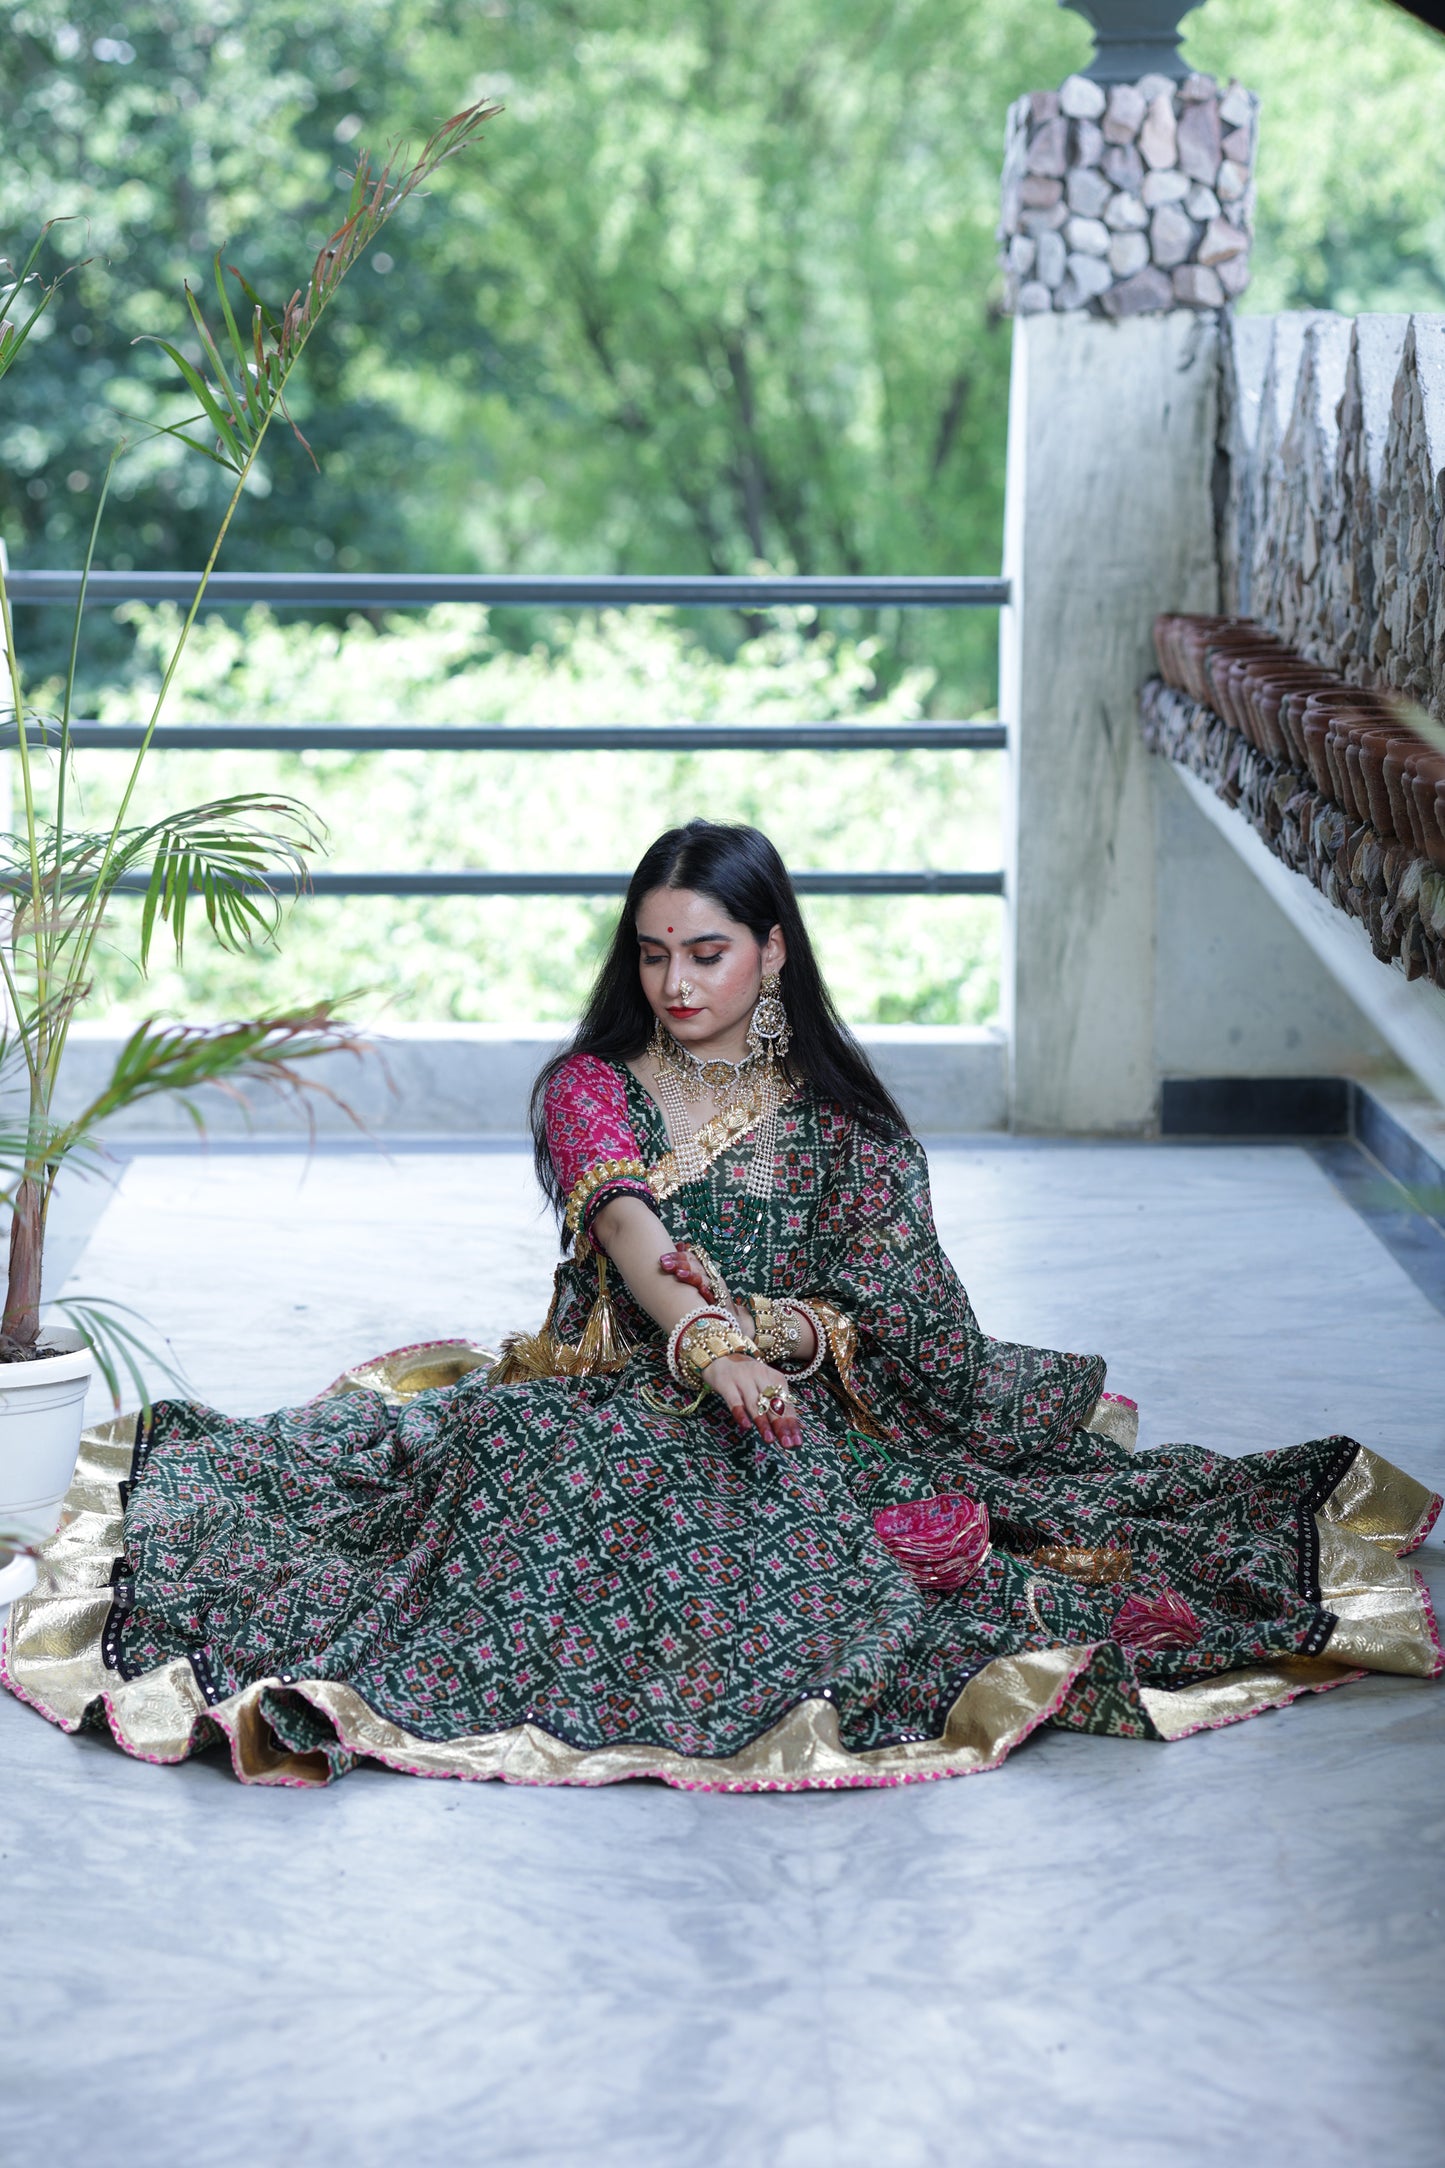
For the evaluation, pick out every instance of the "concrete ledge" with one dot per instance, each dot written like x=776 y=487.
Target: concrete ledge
x=469 y=1079
x=1409 y=1014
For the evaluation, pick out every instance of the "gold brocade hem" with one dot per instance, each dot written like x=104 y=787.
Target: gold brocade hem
x=52 y=1656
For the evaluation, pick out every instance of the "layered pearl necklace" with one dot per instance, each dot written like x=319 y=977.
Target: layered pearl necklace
x=756 y=1084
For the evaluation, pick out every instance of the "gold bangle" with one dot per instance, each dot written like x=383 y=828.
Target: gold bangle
x=776 y=1336
x=706 y=1341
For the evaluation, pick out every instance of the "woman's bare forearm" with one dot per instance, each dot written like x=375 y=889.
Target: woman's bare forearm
x=636 y=1243
x=634 y=1240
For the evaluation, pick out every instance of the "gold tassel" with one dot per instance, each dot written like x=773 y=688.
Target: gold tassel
x=602 y=1346
x=1096 y=1565
x=528 y=1355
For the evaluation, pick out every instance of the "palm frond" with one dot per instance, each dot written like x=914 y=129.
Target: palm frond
x=266 y=1051
x=224 y=852
x=13 y=334
x=239 y=396
x=121 y=1349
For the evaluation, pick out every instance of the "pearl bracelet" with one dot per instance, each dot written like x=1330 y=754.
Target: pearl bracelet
x=718 y=1334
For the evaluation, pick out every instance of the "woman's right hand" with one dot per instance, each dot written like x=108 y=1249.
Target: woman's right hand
x=742 y=1381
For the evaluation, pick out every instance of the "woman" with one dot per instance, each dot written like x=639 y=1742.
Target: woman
x=760 y=1506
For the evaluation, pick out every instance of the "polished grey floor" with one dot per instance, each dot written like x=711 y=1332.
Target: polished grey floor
x=1221 y=1951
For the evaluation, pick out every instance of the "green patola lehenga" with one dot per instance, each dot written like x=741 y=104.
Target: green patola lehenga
x=548 y=1570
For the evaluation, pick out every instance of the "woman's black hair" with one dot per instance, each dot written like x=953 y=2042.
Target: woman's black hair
x=739 y=870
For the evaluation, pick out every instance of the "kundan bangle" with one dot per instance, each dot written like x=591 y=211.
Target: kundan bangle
x=773 y=1330
x=820 y=1335
x=776 y=1338
x=704 y=1342
x=685 y=1325
x=699 y=1338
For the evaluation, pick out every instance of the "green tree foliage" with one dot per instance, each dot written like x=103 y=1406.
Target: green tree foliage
x=720 y=289
x=1351 y=167
x=502 y=959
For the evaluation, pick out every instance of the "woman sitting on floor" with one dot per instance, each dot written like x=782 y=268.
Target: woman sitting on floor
x=760 y=1506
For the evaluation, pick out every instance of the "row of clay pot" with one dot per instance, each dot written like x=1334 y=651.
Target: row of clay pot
x=1348 y=738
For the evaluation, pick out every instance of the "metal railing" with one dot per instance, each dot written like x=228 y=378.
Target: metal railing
x=345 y=590
x=407 y=590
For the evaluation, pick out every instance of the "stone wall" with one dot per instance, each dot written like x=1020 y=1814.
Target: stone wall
x=1128 y=200
x=1332 y=505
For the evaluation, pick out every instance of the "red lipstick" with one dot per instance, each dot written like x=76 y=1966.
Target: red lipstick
x=684 y=1012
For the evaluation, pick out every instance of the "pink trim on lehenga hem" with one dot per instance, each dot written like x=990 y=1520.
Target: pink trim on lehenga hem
x=1431 y=1517
x=1432 y=1623
x=861 y=1780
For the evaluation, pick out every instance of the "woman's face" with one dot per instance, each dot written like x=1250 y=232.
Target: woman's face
x=700 y=969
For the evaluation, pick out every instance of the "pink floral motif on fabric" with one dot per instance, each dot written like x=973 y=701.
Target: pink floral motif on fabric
x=588 y=1122
x=939 y=1542
x=1164 y=1621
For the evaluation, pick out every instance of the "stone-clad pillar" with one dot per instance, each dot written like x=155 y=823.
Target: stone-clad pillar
x=1128 y=199
x=1126 y=208
x=1109 y=520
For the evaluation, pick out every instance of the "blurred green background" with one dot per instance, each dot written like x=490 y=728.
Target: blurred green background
x=717 y=292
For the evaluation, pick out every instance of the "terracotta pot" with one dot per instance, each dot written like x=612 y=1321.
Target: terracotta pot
x=1374 y=744
x=1279 y=694
x=1191 y=637
x=1297 y=688
x=1398 y=753
x=1226 y=656
x=1169 y=645
x=1250 y=678
x=1319 y=729
x=1259 y=695
x=1350 y=725
x=1343 y=719
x=1428 y=772
x=1314 y=726
x=1225 y=668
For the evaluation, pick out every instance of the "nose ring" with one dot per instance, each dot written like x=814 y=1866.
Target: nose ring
x=684 y=989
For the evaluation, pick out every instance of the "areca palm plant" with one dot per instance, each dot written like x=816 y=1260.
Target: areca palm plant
x=216 y=861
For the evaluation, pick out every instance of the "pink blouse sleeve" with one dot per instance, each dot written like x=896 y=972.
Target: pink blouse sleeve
x=591 y=1139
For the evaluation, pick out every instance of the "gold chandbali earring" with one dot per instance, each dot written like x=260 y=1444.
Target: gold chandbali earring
x=769 y=1037
x=770 y=1034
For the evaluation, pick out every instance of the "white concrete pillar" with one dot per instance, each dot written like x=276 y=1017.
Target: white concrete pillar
x=1109 y=520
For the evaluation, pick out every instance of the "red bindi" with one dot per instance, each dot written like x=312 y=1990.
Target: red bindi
x=669 y=929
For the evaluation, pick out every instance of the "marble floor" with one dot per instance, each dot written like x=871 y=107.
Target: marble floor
x=1223 y=1951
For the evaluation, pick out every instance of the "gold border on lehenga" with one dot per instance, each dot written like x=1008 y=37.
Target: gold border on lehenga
x=1384 y=1621
x=51 y=1656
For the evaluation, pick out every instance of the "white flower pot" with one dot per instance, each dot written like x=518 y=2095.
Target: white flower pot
x=41 y=1417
